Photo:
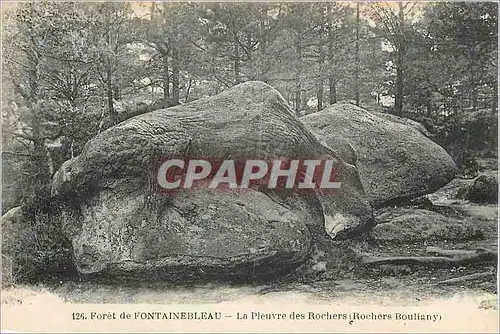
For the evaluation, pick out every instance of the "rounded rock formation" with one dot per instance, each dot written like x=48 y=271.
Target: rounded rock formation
x=484 y=189
x=395 y=160
x=120 y=225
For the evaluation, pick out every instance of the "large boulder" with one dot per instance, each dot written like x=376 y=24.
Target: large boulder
x=395 y=159
x=201 y=235
x=117 y=222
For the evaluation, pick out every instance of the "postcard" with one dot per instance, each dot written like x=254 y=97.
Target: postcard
x=249 y=167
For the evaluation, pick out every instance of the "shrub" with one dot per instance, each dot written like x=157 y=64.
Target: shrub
x=32 y=246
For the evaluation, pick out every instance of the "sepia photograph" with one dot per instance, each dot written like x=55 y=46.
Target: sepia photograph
x=197 y=166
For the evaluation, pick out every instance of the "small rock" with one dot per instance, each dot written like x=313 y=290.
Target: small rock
x=319 y=267
x=489 y=304
x=484 y=189
x=411 y=225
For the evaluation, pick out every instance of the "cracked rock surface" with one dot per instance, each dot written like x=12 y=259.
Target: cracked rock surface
x=396 y=161
x=120 y=226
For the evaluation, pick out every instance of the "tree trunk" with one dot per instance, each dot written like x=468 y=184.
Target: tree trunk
x=398 y=103
x=319 y=94
x=263 y=45
x=188 y=89
x=42 y=178
x=298 y=87
x=236 y=59
x=473 y=89
x=165 y=54
x=166 y=81
x=429 y=102
x=332 y=94
x=175 y=77
x=116 y=92
x=297 y=95
x=428 y=92
x=321 y=61
x=356 y=84
x=494 y=124
x=7 y=124
x=109 y=93
x=472 y=75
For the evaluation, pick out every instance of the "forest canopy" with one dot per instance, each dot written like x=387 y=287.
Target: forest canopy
x=73 y=69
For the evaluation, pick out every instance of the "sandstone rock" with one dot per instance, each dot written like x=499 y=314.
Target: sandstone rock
x=111 y=185
x=455 y=189
x=395 y=160
x=13 y=237
x=402 y=225
x=486 y=164
x=11 y=180
x=405 y=121
x=18 y=239
x=463 y=190
x=14 y=230
x=32 y=245
x=484 y=189
x=200 y=234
